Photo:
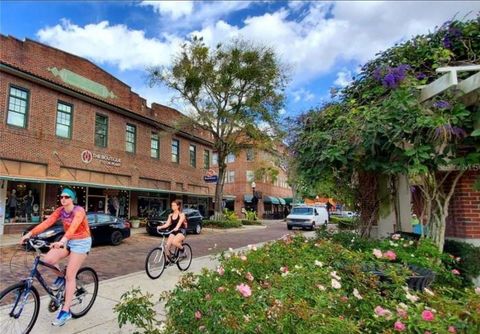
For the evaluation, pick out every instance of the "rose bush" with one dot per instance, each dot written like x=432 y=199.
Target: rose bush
x=319 y=286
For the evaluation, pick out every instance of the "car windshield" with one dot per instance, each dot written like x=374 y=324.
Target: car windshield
x=302 y=211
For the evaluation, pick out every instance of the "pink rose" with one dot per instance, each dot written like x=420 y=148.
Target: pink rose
x=451 y=329
x=220 y=271
x=198 y=315
x=455 y=272
x=477 y=290
x=399 y=326
x=249 y=276
x=427 y=332
x=208 y=296
x=428 y=315
x=402 y=313
x=390 y=255
x=284 y=269
x=244 y=290
x=379 y=310
x=221 y=289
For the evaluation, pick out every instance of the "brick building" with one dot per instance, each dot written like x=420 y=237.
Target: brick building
x=65 y=121
x=265 y=171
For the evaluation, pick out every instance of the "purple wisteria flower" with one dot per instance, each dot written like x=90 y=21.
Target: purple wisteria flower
x=391 y=77
x=421 y=76
x=450 y=36
x=449 y=131
x=442 y=104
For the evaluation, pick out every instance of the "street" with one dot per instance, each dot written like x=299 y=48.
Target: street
x=129 y=257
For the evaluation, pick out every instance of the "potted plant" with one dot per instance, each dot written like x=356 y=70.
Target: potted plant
x=135 y=221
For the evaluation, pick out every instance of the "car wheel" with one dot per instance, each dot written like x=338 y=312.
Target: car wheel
x=116 y=238
x=198 y=229
x=313 y=226
x=289 y=227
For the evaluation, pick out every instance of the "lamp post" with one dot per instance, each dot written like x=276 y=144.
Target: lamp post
x=254 y=198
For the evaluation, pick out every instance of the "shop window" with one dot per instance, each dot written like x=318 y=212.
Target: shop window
x=154 y=146
x=130 y=138
x=101 y=130
x=18 y=107
x=64 y=120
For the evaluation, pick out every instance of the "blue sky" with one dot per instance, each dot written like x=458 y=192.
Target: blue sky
x=323 y=43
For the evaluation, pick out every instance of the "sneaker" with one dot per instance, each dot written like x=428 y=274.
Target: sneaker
x=62 y=318
x=59 y=283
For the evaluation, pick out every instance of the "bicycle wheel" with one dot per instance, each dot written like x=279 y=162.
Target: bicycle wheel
x=86 y=292
x=155 y=262
x=18 y=309
x=183 y=262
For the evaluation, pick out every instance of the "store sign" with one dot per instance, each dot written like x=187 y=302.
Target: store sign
x=87 y=157
x=211 y=176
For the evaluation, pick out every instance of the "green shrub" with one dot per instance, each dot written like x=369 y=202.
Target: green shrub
x=229 y=215
x=344 y=223
x=222 y=223
x=251 y=222
x=251 y=215
x=465 y=258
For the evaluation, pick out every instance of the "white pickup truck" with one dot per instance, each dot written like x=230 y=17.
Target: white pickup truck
x=307 y=217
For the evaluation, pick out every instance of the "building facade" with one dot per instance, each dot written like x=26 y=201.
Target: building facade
x=65 y=121
x=266 y=172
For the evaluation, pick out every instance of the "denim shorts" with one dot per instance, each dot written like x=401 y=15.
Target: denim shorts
x=81 y=246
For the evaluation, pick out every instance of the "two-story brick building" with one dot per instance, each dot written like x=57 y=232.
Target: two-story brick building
x=266 y=172
x=65 y=121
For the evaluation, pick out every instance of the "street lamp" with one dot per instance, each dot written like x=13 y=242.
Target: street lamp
x=254 y=198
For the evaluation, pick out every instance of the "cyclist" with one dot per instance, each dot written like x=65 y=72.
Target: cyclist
x=179 y=231
x=76 y=242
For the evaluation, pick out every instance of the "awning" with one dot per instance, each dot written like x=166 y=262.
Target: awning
x=282 y=201
x=271 y=200
x=247 y=198
x=288 y=200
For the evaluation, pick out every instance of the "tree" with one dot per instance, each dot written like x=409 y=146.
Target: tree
x=378 y=126
x=234 y=92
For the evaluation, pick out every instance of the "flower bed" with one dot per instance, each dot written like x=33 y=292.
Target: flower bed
x=318 y=286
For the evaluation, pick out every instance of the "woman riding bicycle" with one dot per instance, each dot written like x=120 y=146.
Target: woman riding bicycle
x=179 y=231
x=76 y=242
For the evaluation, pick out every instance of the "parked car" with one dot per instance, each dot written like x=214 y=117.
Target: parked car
x=307 y=217
x=194 y=221
x=105 y=228
x=349 y=214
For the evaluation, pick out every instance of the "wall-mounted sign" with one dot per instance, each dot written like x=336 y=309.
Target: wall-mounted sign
x=211 y=176
x=87 y=157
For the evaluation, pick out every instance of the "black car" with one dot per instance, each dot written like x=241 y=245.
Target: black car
x=105 y=229
x=194 y=221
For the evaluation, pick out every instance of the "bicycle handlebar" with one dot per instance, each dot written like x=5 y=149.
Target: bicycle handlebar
x=38 y=243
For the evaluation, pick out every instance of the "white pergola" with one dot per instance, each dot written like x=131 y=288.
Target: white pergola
x=468 y=88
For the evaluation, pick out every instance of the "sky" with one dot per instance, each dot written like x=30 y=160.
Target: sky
x=322 y=43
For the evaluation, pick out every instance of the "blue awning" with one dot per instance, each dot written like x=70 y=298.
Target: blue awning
x=282 y=201
x=271 y=200
x=247 y=198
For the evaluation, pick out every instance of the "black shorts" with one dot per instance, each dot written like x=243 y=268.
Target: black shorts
x=182 y=230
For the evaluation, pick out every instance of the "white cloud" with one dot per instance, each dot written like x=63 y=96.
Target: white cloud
x=111 y=44
x=344 y=77
x=172 y=9
x=302 y=95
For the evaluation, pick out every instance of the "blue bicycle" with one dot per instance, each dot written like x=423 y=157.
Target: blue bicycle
x=20 y=303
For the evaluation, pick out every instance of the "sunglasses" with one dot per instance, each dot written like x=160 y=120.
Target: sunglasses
x=65 y=197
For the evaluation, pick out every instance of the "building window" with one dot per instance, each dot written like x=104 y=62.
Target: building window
x=17 y=107
x=250 y=176
x=230 y=176
x=130 y=138
x=101 y=130
x=154 y=146
x=230 y=158
x=250 y=154
x=193 y=155
x=175 y=151
x=214 y=159
x=206 y=159
x=64 y=120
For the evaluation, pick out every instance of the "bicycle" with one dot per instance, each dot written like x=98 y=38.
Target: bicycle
x=20 y=302
x=156 y=260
